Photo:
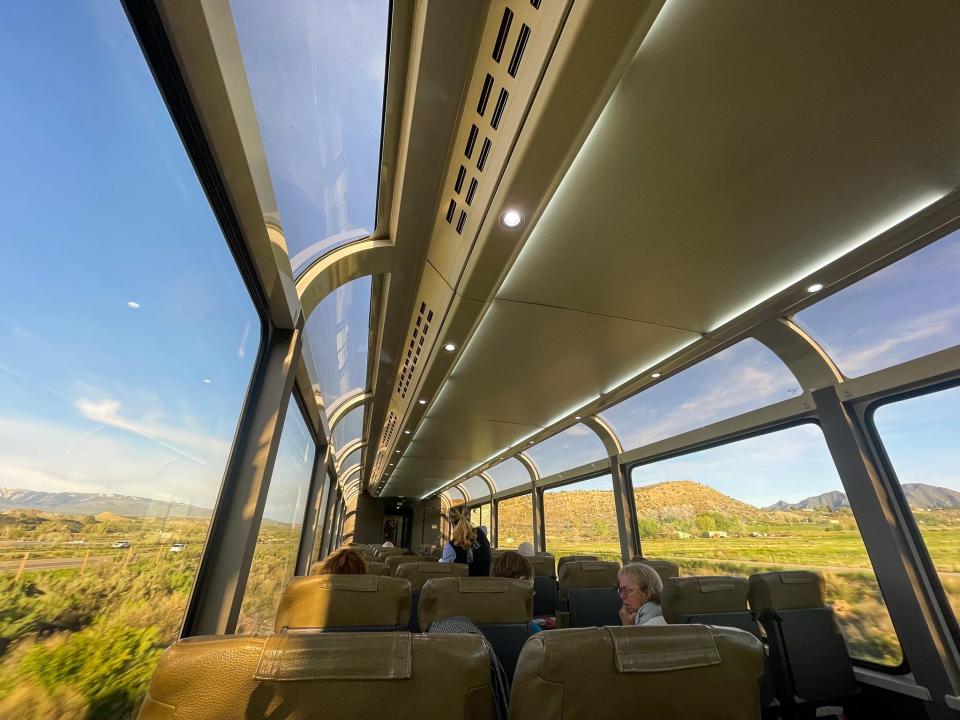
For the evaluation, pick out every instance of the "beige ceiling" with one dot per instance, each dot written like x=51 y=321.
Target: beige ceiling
x=748 y=144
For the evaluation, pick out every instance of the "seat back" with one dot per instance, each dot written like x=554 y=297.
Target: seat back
x=545 y=592
x=543 y=566
x=588 y=590
x=418 y=574
x=664 y=568
x=311 y=676
x=345 y=602
x=808 y=655
x=502 y=608
x=395 y=561
x=377 y=568
x=681 y=671
x=573 y=558
x=383 y=553
x=710 y=600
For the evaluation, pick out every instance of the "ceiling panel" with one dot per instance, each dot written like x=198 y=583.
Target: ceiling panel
x=749 y=144
x=467 y=439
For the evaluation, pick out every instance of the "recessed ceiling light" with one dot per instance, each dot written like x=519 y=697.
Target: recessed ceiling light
x=511 y=218
x=816 y=287
x=578 y=417
x=397 y=452
x=654 y=375
x=530 y=443
x=406 y=432
x=449 y=347
x=421 y=401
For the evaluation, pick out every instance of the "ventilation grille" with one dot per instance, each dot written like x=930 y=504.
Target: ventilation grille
x=418 y=337
x=379 y=464
x=492 y=97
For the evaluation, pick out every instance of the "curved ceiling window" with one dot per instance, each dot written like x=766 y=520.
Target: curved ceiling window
x=904 y=311
x=316 y=72
x=476 y=488
x=337 y=334
x=744 y=377
x=127 y=342
x=350 y=460
x=509 y=474
x=575 y=446
x=349 y=428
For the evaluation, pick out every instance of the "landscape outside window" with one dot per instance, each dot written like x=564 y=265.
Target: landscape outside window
x=581 y=519
x=480 y=516
x=279 y=536
x=769 y=502
x=127 y=341
x=920 y=437
x=514 y=522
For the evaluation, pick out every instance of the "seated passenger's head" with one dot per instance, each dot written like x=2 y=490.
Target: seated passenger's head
x=388 y=544
x=512 y=564
x=344 y=562
x=639 y=584
x=526 y=549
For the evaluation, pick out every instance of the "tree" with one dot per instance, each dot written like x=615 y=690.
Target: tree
x=706 y=523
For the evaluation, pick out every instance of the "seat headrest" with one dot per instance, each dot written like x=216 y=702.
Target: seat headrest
x=377 y=568
x=419 y=573
x=395 y=561
x=573 y=558
x=786 y=590
x=587 y=574
x=238 y=676
x=674 y=671
x=664 y=568
x=485 y=600
x=325 y=601
x=384 y=553
x=543 y=566
x=695 y=595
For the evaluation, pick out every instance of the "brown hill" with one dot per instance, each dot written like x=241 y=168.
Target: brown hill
x=685 y=499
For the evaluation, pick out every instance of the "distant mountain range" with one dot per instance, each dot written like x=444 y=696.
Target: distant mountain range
x=918 y=496
x=68 y=503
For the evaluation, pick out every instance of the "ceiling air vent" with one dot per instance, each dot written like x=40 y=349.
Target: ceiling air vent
x=417 y=337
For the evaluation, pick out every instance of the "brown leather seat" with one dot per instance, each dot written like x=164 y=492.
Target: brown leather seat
x=683 y=597
x=588 y=593
x=573 y=558
x=543 y=566
x=501 y=607
x=383 y=553
x=545 y=598
x=378 y=568
x=344 y=602
x=668 y=672
x=587 y=574
x=310 y=676
x=419 y=573
x=665 y=568
x=395 y=561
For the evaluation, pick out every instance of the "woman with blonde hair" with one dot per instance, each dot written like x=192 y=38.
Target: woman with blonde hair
x=467 y=545
x=639 y=589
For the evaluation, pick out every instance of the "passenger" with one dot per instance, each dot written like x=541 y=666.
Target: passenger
x=512 y=564
x=639 y=590
x=468 y=546
x=526 y=549
x=344 y=562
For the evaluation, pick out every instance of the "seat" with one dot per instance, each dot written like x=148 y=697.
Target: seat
x=418 y=574
x=709 y=600
x=378 y=568
x=664 y=568
x=311 y=676
x=501 y=608
x=545 y=591
x=669 y=672
x=588 y=591
x=383 y=553
x=573 y=558
x=355 y=603
x=395 y=561
x=808 y=656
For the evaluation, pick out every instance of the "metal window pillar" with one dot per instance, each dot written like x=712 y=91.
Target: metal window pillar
x=536 y=502
x=217 y=594
x=622 y=488
x=311 y=520
x=493 y=508
x=916 y=614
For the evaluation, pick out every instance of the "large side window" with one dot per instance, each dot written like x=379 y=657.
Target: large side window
x=280 y=530
x=920 y=437
x=514 y=521
x=581 y=519
x=480 y=516
x=768 y=502
x=127 y=342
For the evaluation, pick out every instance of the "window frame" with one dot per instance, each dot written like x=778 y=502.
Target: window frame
x=867 y=411
x=810 y=418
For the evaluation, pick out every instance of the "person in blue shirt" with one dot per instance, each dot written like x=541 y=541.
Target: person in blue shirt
x=468 y=546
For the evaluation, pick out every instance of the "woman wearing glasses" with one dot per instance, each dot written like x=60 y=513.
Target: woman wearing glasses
x=640 y=589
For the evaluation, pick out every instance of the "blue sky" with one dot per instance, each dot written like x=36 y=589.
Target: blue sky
x=127 y=337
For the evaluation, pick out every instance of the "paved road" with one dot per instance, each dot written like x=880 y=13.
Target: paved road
x=51 y=563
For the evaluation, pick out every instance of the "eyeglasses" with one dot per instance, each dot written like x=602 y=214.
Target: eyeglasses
x=624 y=590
